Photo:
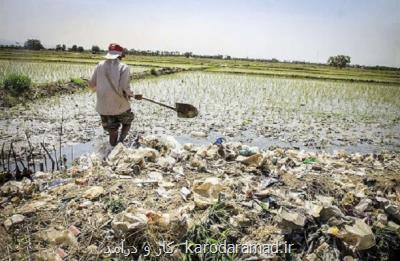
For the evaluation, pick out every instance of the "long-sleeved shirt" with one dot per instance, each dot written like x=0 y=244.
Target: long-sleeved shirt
x=109 y=102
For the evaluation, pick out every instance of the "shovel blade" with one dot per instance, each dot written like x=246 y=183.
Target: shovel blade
x=185 y=110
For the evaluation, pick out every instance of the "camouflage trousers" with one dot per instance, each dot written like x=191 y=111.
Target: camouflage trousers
x=113 y=122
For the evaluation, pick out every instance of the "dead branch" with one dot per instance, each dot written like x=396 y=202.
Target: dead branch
x=50 y=157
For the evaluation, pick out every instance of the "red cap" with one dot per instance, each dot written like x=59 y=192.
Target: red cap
x=115 y=47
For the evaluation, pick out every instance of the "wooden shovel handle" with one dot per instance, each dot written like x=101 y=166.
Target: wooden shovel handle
x=161 y=104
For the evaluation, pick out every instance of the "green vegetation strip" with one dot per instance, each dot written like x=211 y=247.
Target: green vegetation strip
x=307 y=71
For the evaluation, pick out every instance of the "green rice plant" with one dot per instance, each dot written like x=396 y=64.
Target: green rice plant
x=79 y=81
x=46 y=72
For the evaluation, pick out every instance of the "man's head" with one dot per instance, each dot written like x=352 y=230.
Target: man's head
x=115 y=51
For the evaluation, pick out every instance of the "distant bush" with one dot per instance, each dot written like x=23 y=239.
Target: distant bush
x=95 y=49
x=33 y=44
x=154 y=72
x=339 y=61
x=17 y=83
x=61 y=47
x=74 y=48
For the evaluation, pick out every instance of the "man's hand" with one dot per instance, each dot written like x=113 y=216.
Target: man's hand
x=138 y=97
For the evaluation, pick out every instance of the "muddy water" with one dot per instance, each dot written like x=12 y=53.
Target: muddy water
x=256 y=110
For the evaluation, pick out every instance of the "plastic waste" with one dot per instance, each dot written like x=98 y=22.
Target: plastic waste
x=124 y=159
x=55 y=183
x=59 y=237
x=333 y=231
x=248 y=151
x=251 y=161
x=393 y=213
x=199 y=134
x=164 y=144
x=324 y=200
x=312 y=208
x=13 y=187
x=198 y=163
x=362 y=206
x=156 y=176
x=132 y=219
x=359 y=235
x=74 y=230
x=13 y=220
x=44 y=203
x=268 y=181
x=61 y=252
x=93 y=192
x=291 y=220
x=162 y=192
x=48 y=255
x=166 y=163
x=310 y=160
x=219 y=141
x=208 y=152
x=331 y=211
x=185 y=192
x=206 y=192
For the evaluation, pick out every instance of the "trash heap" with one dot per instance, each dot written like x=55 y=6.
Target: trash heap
x=327 y=207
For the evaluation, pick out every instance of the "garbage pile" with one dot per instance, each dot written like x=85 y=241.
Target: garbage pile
x=167 y=201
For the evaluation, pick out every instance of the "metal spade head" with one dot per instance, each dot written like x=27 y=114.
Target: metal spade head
x=185 y=110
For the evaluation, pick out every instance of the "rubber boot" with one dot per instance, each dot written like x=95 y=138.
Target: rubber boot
x=113 y=137
x=124 y=132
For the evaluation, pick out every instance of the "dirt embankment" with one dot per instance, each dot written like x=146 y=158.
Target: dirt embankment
x=8 y=99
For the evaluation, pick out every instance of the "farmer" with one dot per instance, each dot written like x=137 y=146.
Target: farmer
x=110 y=80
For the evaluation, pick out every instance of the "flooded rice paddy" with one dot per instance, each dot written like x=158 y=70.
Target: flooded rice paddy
x=256 y=110
x=51 y=72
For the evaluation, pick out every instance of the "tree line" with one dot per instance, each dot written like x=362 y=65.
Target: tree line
x=338 y=61
x=35 y=44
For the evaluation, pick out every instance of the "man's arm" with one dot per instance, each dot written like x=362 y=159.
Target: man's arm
x=93 y=80
x=124 y=82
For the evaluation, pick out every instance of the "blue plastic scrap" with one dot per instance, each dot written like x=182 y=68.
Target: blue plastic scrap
x=219 y=141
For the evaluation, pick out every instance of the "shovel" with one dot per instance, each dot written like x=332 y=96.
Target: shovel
x=184 y=110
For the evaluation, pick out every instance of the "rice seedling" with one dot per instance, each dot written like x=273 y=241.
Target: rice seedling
x=51 y=72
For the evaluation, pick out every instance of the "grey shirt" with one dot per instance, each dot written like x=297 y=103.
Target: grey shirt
x=111 y=100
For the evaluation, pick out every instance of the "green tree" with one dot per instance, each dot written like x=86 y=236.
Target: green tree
x=187 y=54
x=339 y=61
x=80 y=49
x=95 y=49
x=33 y=44
x=60 y=47
x=74 y=48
